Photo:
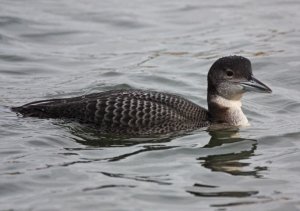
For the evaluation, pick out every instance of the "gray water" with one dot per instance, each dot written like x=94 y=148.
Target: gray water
x=52 y=49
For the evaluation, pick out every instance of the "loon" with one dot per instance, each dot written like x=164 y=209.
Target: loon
x=142 y=112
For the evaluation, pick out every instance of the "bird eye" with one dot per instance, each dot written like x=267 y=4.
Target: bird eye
x=229 y=73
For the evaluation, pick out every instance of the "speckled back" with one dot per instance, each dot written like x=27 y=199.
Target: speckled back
x=124 y=111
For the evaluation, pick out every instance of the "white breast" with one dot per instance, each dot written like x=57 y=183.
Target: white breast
x=234 y=114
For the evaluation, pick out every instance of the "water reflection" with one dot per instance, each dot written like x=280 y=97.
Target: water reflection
x=225 y=152
x=93 y=138
x=238 y=194
x=228 y=154
x=230 y=161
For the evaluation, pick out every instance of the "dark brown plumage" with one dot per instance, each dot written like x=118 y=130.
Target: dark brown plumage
x=124 y=111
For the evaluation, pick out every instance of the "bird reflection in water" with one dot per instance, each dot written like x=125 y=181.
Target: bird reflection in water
x=93 y=138
x=233 y=155
x=225 y=152
x=228 y=152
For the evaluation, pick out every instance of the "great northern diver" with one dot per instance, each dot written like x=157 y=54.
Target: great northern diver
x=141 y=112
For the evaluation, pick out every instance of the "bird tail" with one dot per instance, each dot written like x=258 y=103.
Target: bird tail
x=29 y=111
x=34 y=109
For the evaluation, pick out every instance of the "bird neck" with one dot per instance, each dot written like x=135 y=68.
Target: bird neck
x=225 y=111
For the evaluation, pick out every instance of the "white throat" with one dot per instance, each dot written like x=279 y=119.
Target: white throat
x=234 y=114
